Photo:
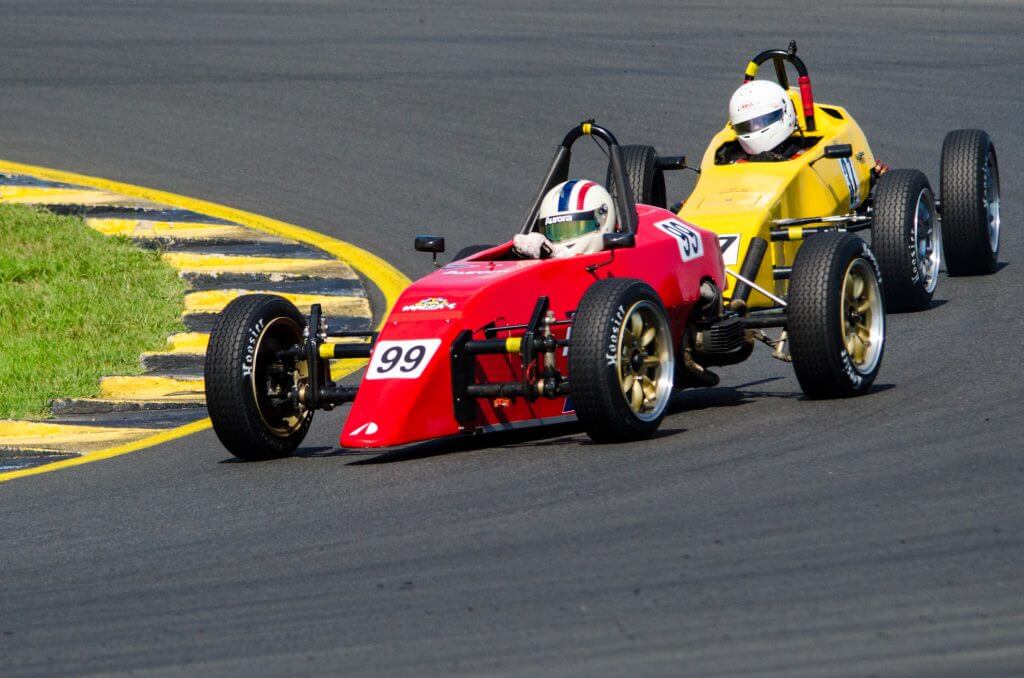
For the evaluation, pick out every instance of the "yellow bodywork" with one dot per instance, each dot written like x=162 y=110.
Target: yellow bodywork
x=740 y=201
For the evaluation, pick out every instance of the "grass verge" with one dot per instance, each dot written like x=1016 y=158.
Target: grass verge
x=75 y=306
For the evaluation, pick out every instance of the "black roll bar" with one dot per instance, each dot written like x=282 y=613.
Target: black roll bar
x=625 y=205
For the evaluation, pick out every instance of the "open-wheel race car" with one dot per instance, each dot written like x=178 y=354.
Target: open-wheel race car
x=495 y=340
x=764 y=208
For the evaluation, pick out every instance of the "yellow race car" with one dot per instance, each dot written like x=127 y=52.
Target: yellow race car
x=763 y=212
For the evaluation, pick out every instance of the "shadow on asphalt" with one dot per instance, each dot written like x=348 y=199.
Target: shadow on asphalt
x=553 y=435
x=560 y=434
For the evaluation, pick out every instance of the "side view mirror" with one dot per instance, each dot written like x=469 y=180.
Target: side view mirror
x=429 y=243
x=837 y=151
x=618 y=241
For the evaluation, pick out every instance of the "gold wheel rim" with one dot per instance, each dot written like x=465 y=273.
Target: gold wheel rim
x=863 y=321
x=293 y=422
x=644 y=360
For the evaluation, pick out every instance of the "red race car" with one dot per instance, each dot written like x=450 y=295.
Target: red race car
x=511 y=336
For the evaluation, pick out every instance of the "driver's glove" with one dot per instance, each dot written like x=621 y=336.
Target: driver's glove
x=532 y=245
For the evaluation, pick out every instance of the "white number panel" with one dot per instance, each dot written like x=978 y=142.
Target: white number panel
x=690 y=244
x=730 y=245
x=401 y=359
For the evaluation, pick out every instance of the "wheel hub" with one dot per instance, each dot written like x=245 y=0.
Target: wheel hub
x=992 y=201
x=645 y=362
x=863 y=321
x=927 y=241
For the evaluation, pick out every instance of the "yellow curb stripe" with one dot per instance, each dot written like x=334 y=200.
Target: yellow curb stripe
x=185 y=343
x=36 y=435
x=188 y=342
x=179 y=230
x=146 y=387
x=189 y=262
x=388 y=279
x=149 y=441
x=214 y=301
x=44 y=195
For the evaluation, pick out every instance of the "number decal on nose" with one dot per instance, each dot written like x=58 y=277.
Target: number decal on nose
x=401 y=359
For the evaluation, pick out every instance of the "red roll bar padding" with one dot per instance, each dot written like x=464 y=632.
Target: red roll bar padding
x=807 y=99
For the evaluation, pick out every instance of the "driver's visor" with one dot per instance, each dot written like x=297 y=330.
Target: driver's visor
x=758 y=123
x=568 y=226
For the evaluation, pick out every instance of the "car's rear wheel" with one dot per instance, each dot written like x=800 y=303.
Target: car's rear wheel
x=906 y=238
x=248 y=384
x=621 y=360
x=970 y=202
x=645 y=179
x=835 y=318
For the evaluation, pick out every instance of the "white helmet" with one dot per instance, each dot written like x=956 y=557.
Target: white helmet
x=574 y=215
x=762 y=115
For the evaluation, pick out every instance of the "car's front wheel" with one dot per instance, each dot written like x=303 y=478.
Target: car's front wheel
x=835 y=317
x=621 y=360
x=248 y=382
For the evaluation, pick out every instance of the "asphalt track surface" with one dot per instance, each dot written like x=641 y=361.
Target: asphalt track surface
x=759 y=532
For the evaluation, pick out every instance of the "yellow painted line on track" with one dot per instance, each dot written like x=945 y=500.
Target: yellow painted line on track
x=53 y=437
x=189 y=262
x=388 y=280
x=180 y=230
x=214 y=301
x=134 y=446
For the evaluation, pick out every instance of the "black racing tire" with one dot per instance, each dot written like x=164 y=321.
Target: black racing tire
x=243 y=344
x=970 y=229
x=645 y=179
x=605 y=363
x=815 y=324
x=469 y=251
x=905 y=238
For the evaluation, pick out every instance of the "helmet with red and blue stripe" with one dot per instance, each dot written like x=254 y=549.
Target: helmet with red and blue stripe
x=575 y=214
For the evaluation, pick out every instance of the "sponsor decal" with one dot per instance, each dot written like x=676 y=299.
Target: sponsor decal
x=474 y=268
x=730 y=245
x=430 y=304
x=852 y=182
x=691 y=246
x=367 y=429
x=557 y=219
x=401 y=359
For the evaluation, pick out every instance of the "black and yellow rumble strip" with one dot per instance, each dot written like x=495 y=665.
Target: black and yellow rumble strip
x=221 y=253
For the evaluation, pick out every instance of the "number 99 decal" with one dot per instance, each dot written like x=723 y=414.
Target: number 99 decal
x=405 y=359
